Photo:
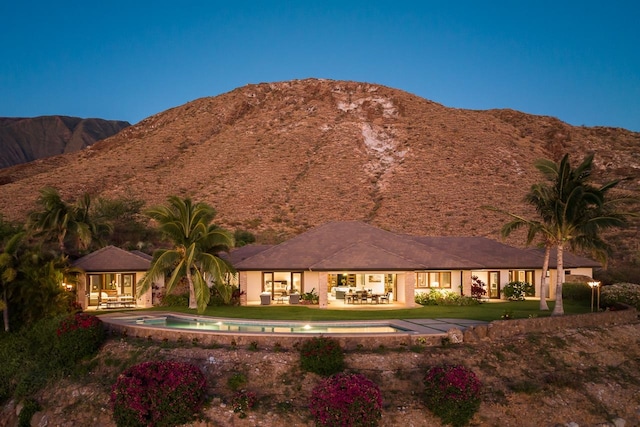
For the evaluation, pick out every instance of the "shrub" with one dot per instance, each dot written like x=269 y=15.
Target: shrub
x=575 y=291
x=477 y=288
x=322 y=356
x=438 y=297
x=310 y=297
x=236 y=381
x=627 y=293
x=175 y=300
x=516 y=291
x=346 y=400
x=157 y=394
x=242 y=401
x=452 y=392
x=79 y=335
x=46 y=350
x=225 y=295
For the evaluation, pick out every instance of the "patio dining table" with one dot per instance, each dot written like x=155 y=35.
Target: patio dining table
x=362 y=297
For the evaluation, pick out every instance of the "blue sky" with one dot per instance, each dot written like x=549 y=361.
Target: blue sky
x=578 y=61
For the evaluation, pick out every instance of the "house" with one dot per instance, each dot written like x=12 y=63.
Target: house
x=109 y=278
x=341 y=257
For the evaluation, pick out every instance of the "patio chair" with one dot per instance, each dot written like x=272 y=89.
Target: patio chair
x=294 y=299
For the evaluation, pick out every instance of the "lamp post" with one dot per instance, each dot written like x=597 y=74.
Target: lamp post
x=593 y=286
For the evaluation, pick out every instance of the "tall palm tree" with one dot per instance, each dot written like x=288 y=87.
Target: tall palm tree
x=576 y=212
x=571 y=212
x=538 y=197
x=196 y=243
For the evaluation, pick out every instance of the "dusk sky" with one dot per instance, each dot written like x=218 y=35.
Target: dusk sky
x=578 y=61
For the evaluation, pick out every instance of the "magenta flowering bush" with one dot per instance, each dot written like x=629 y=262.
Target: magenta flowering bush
x=158 y=394
x=322 y=355
x=346 y=400
x=79 y=335
x=78 y=321
x=452 y=392
x=242 y=401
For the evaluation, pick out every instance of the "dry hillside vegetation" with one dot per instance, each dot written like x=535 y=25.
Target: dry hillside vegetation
x=278 y=158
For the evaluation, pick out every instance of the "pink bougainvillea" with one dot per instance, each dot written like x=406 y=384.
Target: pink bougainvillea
x=452 y=392
x=161 y=393
x=346 y=400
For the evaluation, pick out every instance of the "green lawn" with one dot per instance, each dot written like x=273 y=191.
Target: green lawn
x=485 y=311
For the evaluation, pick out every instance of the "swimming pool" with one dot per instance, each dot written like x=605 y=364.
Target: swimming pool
x=274 y=327
x=235 y=333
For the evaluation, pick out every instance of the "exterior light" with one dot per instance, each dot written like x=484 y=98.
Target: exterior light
x=595 y=285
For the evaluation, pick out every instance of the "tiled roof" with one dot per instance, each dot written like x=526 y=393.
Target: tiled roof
x=493 y=254
x=113 y=259
x=355 y=245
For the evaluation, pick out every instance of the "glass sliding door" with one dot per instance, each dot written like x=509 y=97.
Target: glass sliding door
x=494 y=284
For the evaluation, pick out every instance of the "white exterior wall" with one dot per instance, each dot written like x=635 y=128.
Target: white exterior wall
x=401 y=290
x=538 y=279
x=581 y=271
x=310 y=280
x=254 y=286
x=456 y=281
x=323 y=289
x=146 y=300
x=405 y=288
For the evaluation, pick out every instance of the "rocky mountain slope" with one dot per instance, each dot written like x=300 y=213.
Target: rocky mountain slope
x=278 y=158
x=23 y=140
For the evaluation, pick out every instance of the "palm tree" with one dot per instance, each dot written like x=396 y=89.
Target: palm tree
x=59 y=220
x=9 y=264
x=578 y=212
x=538 y=196
x=534 y=228
x=196 y=243
x=571 y=212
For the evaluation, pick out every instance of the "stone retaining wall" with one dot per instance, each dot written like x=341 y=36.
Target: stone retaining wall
x=500 y=329
x=262 y=341
x=495 y=330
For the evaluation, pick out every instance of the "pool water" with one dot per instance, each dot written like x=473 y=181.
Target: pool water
x=227 y=325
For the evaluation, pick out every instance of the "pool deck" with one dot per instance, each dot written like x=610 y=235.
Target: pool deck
x=439 y=326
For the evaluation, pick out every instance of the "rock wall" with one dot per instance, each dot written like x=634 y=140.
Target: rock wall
x=500 y=329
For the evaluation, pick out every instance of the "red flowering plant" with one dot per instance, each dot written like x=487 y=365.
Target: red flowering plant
x=79 y=335
x=452 y=392
x=322 y=355
x=158 y=394
x=242 y=401
x=346 y=400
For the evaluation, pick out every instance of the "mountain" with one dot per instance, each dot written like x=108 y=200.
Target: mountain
x=23 y=140
x=278 y=158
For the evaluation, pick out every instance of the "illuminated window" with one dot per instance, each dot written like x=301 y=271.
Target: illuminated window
x=434 y=279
